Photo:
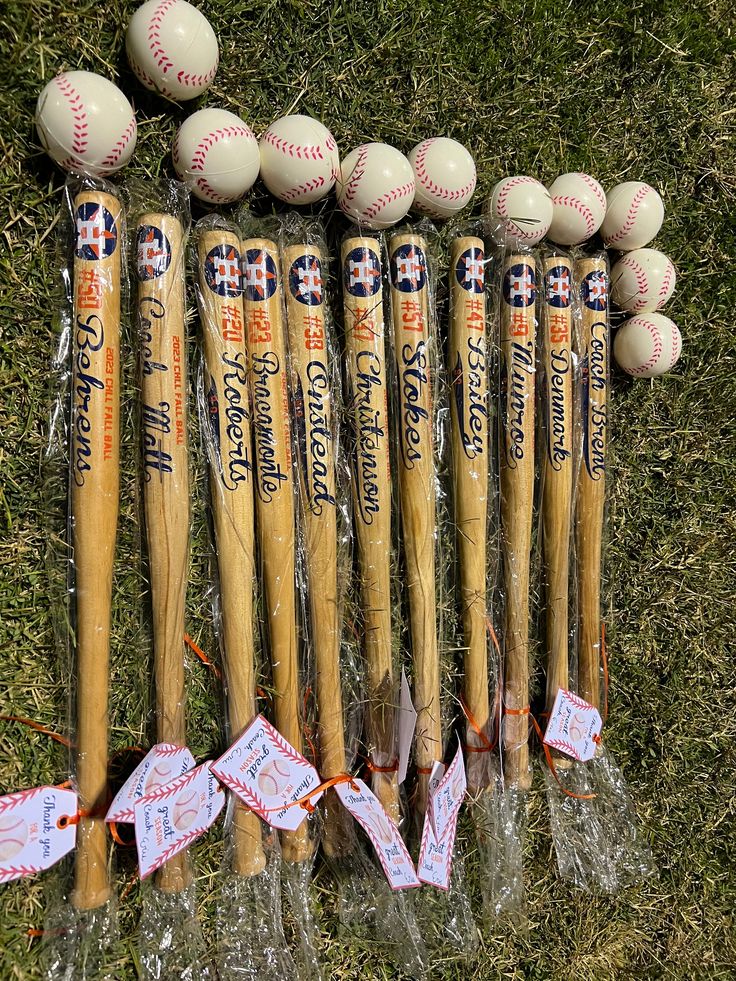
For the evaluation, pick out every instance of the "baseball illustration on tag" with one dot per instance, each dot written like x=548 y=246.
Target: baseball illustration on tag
x=37 y=828
x=268 y=775
x=164 y=763
x=383 y=833
x=574 y=726
x=171 y=817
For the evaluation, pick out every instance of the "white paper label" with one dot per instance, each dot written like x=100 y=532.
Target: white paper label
x=164 y=763
x=446 y=793
x=407 y=725
x=268 y=774
x=172 y=817
x=574 y=726
x=383 y=833
x=447 y=797
x=435 y=857
x=34 y=830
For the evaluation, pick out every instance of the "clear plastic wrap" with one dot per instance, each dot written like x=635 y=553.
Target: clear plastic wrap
x=591 y=812
x=171 y=940
x=84 y=446
x=251 y=941
x=276 y=491
x=420 y=411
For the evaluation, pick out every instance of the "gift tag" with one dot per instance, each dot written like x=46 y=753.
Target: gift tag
x=268 y=775
x=383 y=833
x=35 y=831
x=164 y=763
x=435 y=857
x=574 y=726
x=407 y=725
x=172 y=817
x=445 y=800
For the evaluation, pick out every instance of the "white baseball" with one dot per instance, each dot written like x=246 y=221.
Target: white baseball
x=273 y=778
x=634 y=215
x=578 y=208
x=85 y=123
x=216 y=155
x=376 y=185
x=299 y=159
x=642 y=281
x=172 y=48
x=445 y=177
x=13 y=837
x=523 y=207
x=647 y=345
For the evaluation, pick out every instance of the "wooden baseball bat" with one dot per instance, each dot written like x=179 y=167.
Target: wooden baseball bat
x=315 y=428
x=558 y=466
x=94 y=500
x=592 y=275
x=468 y=371
x=229 y=447
x=410 y=310
x=274 y=487
x=367 y=399
x=160 y=268
x=518 y=346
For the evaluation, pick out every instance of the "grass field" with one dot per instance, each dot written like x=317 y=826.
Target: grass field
x=624 y=91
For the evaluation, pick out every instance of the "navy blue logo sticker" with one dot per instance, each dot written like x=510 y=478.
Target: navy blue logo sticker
x=558 y=287
x=305 y=280
x=259 y=275
x=362 y=272
x=153 y=252
x=408 y=268
x=519 y=285
x=97 y=234
x=222 y=271
x=469 y=270
x=594 y=290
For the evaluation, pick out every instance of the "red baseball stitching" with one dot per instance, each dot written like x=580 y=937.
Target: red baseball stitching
x=11 y=871
x=125 y=817
x=162 y=60
x=80 y=126
x=501 y=204
x=117 y=151
x=657 y=342
x=420 y=172
x=642 y=283
x=170 y=788
x=11 y=801
x=569 y=202
x=576 y=700
x=630 y=215
x=667 y=286
x=168 y=749
x=351 y=188
x=595 y=188
x=297 y=150
x=676 y=345
x=200 y=154
x=395 y=195
x=176 y=848
x=296 y=192
x=564 y=747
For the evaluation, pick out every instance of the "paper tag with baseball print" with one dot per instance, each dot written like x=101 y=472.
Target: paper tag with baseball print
x=383 y=833
x=446 y=798
x=35 y=830
x=268 y=775
x=574 y=726
x=435 y=856
x=164 y=763
x=172 y=817
x=407 y=725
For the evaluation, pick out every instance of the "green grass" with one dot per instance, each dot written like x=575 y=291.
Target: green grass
x=624 y=91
